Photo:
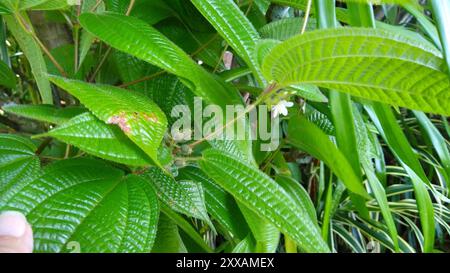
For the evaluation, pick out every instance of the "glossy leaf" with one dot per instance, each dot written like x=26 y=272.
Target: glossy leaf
x=265 y=197
x=219 y=203
x=88 y=204
x=185 y=197
x=93 y=136
x=156 y=49
x=133 y=112
x=234 y=27
x=301 y=131
x=18 y=163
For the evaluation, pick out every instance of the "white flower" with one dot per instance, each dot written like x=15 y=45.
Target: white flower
x=281 y=108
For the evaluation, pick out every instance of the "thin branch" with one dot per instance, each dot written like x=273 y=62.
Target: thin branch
x=96 y=5
x=43 y=145
x=108 y=51
x=146 y=78
x=30 y=31
x=130 y=7
x=99 y=66
x=262 y=97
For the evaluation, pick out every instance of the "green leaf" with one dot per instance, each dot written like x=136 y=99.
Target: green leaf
x=185 y=197
x=302 y=131
x=7 y=77
x=154 y=48
x=185 y=226
x=151 y=46
x=234 y=27
x=298 y=4
x=18 y=163
x=87 y=203
x=44 y=112
x=441 y=10
x=299 y=194
x=99 y=139
x=34 y=55
x=168 y=238
x=133 y=112
x=265 y=197
x=265 y=234
x=439 y=142
x=388 y=127
x=219 y=203
x=286 y=28
x=366 y=153
x=309 y=92
x=394 y=73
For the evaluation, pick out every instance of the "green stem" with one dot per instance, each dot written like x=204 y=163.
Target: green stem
x=3 y=46
x=441 y=13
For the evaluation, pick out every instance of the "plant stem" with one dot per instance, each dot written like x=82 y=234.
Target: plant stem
x=262 y=97
x=441 y=13
x=31 y=32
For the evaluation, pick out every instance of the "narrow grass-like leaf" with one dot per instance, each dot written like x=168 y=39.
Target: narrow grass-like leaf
x=388 y=127
x=441 y=9
x=301 y=131
x=35 y=57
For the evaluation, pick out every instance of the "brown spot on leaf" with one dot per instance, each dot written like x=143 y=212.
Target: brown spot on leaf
x=122 y=121
x=151 y=117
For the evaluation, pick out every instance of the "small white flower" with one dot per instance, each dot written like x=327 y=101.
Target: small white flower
x=281 y=108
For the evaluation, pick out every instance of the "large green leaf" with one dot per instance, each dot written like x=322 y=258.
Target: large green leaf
x=185 y=197
x=234 y=27
x=18 y=162
x=44 y=112
x=88 y=204
x=374 y=64
x=151 y=46
x=265 y=197
x=7 y=77
x=302 y=132
x=103 y=140
x=136 y=115
x=34 y=55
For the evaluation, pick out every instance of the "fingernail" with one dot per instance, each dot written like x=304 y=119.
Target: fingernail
x=12 y=223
